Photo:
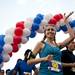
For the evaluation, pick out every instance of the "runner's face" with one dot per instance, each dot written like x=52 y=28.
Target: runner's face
x=50 y=32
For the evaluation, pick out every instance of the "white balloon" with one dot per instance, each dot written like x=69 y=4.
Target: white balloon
x=7 y=48
x=28 y=23
x=19 y=45
x=41 y=28
x=44 y=22
x=48 y=17
x=61 y=22
x=24 y=40
x=29 y=19
x=26 y=32
x=57 y=26
x=10 y=32
x=8 y=39
x=6 y=57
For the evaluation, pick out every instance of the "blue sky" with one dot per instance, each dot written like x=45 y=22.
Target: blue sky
x=12 y=11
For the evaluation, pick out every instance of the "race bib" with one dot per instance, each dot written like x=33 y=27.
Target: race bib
x=55 y=66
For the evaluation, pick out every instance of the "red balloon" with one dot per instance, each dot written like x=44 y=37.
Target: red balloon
x=61 y=16
x=58 y=17
x=15 y=47
x=52 y=21
x=10 y=54
x=20 y=24
x=16 y=40
x=19 y=31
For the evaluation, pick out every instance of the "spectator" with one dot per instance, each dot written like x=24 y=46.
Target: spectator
x=69 y=58
x=22 y=67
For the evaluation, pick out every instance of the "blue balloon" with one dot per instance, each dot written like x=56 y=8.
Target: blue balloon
x=37 y=20
x=2 y=40
x=35 y=27
x=41 y=16
x=1 y=59
x=63 y=28
x=2 y=36
x=1 y=49
x=33 y=34
x=72 y=23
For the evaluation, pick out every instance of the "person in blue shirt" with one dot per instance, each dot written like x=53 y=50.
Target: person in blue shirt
x=48 y=46
x=22 y=67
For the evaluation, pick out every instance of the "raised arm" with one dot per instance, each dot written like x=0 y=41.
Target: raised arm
x=71 y=34
x=68 y=40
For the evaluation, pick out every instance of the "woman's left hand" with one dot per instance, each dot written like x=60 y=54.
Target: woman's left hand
x=48 y=58
x=66 y=17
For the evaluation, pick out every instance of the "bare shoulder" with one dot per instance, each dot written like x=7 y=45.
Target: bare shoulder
x=38 y=47
x=40 y=44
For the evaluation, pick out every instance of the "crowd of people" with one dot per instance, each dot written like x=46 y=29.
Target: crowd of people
x=25 y=67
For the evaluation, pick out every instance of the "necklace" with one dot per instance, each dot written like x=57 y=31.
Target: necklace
x=51 y=44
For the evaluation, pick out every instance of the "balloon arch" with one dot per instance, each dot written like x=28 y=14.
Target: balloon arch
x=10 y=42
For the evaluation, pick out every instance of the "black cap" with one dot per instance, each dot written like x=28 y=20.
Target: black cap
x=29 y=54
x=27 y=51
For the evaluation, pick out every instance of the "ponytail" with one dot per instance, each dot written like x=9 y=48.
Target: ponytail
x=55 y=42
x=43 y=39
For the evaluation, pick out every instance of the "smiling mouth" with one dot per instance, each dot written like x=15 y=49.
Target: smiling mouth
x=50 y=33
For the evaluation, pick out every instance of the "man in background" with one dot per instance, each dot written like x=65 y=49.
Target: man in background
x=69 y=58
